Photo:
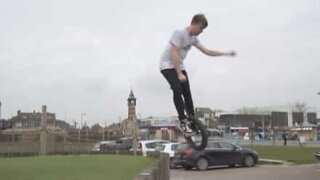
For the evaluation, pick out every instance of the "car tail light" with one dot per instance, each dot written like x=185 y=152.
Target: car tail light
x=187 y=152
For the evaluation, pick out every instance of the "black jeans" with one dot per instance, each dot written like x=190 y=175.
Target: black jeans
x=180 y=90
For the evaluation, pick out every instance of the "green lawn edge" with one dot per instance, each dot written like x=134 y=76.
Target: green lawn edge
x=293 y=154
x=74 y=167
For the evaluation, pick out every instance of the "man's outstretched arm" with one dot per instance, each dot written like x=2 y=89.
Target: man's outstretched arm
x=215 y=53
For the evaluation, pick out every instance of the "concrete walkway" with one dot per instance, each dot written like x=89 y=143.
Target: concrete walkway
x=261 y=172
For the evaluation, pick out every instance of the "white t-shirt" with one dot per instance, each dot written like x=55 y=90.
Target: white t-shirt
x=183 y=40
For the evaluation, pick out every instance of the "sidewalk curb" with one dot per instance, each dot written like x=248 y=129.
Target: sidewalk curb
x=272 y=161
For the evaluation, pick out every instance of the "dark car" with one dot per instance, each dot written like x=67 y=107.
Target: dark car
x=216 y=153
x=317 y=155
x=123 y=144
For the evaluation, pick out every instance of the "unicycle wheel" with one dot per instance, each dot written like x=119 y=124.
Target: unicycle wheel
x=199 y=139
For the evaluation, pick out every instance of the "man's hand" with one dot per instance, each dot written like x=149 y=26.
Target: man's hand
x=232 y=53
x=182 y=78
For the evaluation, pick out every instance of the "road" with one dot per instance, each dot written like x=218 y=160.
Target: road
x=278 y=143
x=260 y=172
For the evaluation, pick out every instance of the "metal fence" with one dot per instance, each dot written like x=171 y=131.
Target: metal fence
x=30 y=144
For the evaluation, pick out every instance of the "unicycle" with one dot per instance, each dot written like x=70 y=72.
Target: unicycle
x=199 y=138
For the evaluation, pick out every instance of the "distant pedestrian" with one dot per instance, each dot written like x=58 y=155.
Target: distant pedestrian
x=302 y=140
x=284 y=137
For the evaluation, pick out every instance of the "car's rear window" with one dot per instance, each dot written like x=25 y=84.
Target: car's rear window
x=183 y=146
x=151 y=145
x=160 y=147
x=174 y=147
x=226 y=145
x=213 y=145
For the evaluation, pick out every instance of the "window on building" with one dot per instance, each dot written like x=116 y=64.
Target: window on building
x=18 y=125
x=165 y=134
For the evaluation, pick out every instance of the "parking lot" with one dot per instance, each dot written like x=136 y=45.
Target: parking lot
x=261 y=172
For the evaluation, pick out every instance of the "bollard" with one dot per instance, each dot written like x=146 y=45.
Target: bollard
x=158 y=171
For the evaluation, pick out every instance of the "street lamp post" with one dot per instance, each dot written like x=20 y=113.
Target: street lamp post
x=103 y=128
x=79 y=132
x=87 y=133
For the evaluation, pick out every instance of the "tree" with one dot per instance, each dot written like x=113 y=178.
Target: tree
x=300 y=107
x=96 y=126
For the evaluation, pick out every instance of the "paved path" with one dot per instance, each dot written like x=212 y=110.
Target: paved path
x=260 y=172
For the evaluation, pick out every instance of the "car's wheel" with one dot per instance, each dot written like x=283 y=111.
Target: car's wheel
x=232 y=165
x=185 y=167
x=172 y=164
x=202 y=164
x=248 y=161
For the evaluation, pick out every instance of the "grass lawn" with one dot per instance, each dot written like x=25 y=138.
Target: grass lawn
x=82 y=167
x=294 y=154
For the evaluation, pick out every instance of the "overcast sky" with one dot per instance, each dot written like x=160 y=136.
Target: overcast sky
x=78 y=56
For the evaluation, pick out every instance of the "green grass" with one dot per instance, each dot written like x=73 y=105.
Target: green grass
x=82 y=167
x=294 y=154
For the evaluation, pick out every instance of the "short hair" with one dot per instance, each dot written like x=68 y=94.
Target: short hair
x=200 y=19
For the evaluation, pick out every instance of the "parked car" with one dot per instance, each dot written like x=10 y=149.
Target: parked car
x=170 y=149
x=96 y=146
x=216 y=153
x=317 y=156
x=123 y=144
x=149 y=145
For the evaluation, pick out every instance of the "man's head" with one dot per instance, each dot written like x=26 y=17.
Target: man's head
x=198 y=24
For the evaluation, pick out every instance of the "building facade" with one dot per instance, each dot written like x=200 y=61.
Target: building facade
x=26 y=120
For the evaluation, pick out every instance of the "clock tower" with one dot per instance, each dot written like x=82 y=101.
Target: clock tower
x=132 y=126
x=131 y=111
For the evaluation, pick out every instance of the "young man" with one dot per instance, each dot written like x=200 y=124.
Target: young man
x=173 y=69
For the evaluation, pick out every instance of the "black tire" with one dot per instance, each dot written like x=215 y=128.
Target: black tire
x=202 y=164
x=172 y=164
x=248 y=161
x=185 y=167
x=201 y=132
